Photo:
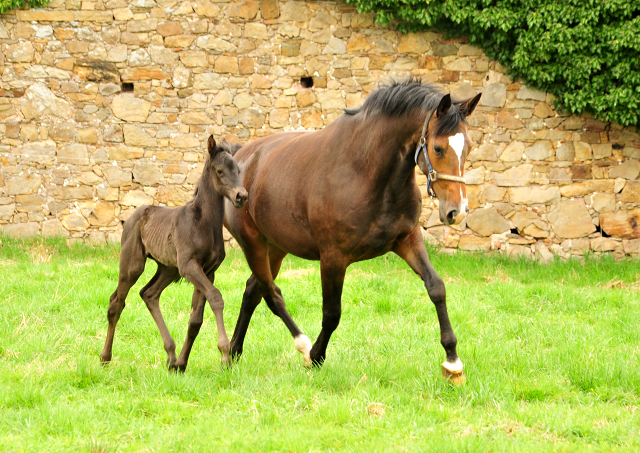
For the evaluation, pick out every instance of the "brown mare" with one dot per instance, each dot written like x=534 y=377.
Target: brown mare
x=348 y=193
x=185 y=242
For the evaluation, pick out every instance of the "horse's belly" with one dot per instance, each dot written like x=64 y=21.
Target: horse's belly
x=381 y=239
x=158 y=243
x=296 y=241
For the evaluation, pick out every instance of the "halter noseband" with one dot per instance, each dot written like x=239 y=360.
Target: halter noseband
x=432 y=175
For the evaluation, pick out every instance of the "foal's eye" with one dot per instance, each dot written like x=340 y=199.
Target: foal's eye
x=439 y=151
x=219 y=172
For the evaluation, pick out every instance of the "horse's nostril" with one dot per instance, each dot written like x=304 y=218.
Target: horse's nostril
x=451 y=215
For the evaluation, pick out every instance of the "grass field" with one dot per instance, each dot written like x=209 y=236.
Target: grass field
x=551 y=355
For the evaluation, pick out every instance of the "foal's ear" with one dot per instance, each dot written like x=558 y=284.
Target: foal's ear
x=467 y=107
x=211 y=146
x=444 y=106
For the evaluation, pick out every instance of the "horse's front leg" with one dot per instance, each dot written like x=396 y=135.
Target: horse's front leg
x=414 y=252
x=332 y=270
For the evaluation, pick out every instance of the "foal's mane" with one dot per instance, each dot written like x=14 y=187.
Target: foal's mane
x=398 y=98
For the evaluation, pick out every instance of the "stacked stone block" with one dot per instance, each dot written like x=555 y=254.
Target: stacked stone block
x=107 y=105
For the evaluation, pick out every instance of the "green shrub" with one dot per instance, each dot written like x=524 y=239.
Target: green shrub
x=585 y=52
x=8 y=5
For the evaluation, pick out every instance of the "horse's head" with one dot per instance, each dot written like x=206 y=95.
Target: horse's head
x=447 y=143
x=225 y=172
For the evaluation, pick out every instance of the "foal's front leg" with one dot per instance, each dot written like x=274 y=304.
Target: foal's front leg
x=414 y=252
x=195 y=322
x=193 y=272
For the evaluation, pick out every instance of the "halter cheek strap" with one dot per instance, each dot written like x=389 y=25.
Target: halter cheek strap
x=432 y=175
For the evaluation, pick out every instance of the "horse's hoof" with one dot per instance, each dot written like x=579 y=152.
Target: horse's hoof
x=303 y=346
x=454 y=372
x=104 y=360
x=235 y=355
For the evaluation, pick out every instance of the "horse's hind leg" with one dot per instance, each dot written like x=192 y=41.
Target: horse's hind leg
x=132 y=262
x=151 y=296
x=195 y=322
x=250 y=300
x=259 y=262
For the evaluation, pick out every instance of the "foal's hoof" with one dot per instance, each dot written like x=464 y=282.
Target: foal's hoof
x=104 y=361
x=454 y=372
x=177 y=368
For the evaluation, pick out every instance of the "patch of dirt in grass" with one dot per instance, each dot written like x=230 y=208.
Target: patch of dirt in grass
x=40 y=253
x=376 y=409
x=499 y=277
x=615 y=284
x=296 y=273
x=362 y=274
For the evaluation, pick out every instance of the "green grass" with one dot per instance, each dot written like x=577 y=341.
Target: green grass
x=551 y=355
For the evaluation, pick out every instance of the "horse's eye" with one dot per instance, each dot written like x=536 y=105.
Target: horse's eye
x=439 y=151
x=219 y=172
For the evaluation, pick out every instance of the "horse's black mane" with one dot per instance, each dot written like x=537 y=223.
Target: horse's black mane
x=399 y=98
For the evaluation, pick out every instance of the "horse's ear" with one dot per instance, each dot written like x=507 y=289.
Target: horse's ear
x=211 y=146
x=444 y=106
x=467 y=107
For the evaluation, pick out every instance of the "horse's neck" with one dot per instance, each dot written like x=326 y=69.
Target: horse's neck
x=387 y=169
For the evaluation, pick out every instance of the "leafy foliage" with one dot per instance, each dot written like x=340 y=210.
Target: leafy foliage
x=8 y=5
x=585 y=52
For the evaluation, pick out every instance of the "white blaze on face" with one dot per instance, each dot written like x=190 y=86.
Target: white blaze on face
x=457 y=144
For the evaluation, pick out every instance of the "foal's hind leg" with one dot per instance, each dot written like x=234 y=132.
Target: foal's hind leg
x=414 y=252
x=250 y=300
x=151 y=296
x=132 y=262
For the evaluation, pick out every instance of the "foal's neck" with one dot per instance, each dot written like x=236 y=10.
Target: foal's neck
x=208 y=200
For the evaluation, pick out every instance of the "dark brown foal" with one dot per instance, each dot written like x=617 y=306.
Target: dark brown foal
x=185 y=242
x=348 y=193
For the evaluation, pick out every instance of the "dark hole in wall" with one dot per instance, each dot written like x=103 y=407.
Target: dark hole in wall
x=306 y=82
x=127 y=87
x=514 y=231
x=602 y=232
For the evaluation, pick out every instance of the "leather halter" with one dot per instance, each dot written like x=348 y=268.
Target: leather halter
x=432 y=175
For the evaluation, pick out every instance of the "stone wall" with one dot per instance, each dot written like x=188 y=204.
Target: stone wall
x=106 y=105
